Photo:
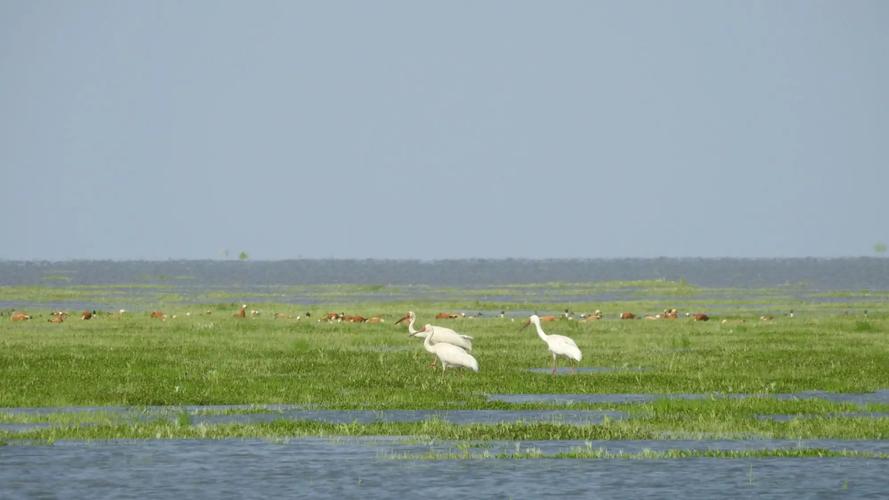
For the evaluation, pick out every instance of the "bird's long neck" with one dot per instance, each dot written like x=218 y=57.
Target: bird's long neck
x=540 y=332
x=410 y=326
x=427 y=342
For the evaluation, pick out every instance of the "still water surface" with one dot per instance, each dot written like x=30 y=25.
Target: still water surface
x=881 y=396
x=366 y=468
x=854 y=273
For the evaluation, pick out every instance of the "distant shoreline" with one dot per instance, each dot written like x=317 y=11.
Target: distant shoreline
x=460 y=259
x=835 y=273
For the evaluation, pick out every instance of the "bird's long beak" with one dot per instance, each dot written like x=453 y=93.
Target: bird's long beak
x=402 y=319
x=525 y=324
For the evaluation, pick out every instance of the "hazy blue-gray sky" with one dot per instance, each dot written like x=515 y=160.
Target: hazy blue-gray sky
x=168 y=129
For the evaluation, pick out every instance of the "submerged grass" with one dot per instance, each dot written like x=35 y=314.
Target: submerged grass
x=677 y=428
x=603 y=454
x=63 y=418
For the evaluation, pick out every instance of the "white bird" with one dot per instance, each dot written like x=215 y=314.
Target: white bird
x=442 y=335
x=449 y=354
x=558 y=345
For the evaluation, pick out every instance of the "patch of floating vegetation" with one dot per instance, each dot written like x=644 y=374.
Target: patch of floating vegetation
x=650 y=450
x=603 y=454
x=851 y=414
x=641 y=446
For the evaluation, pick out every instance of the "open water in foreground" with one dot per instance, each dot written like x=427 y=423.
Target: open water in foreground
x=371 y=468
x=385 y=467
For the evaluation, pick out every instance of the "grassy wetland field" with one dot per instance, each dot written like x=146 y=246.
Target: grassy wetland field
x=736 y=376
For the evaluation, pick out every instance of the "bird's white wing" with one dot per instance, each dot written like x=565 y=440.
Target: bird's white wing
x=448 y=331
x=447 y=336
x=563 y=340
x=564 y=346
x=455 y=356
x=441 y=329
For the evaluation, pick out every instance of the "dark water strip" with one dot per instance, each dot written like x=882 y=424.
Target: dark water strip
x=881 y=396
x=846 y=414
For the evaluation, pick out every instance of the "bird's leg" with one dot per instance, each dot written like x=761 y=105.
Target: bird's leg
x=554 y=365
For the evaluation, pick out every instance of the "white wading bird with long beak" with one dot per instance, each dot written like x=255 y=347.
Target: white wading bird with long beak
x=559 y=345
x=442 y=335
x=450 y=355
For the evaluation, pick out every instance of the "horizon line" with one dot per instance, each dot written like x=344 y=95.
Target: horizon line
x=449 y=259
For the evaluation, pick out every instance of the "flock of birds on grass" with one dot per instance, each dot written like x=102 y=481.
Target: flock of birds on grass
x=452 y=349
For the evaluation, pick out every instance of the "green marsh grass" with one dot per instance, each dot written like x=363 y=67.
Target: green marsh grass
x=685 y=428
x=204 y=359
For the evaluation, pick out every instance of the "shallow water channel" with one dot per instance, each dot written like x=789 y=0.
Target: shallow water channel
x=376 y=468
x=881 y=396
x=241 y=414
x=383 y=467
